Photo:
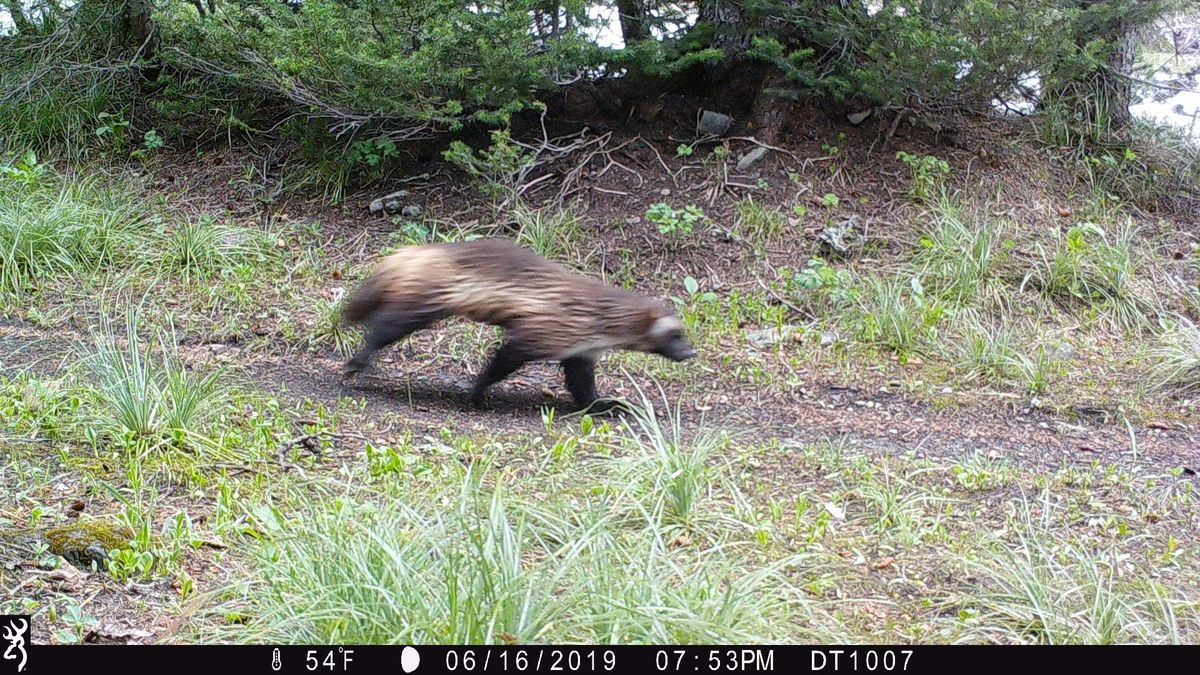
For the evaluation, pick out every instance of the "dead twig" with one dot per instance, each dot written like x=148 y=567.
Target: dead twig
x=311 y=442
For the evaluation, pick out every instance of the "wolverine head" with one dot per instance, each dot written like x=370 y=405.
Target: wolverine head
x=664 y=336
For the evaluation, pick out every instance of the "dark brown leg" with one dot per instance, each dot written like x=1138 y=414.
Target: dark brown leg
x=507 y=359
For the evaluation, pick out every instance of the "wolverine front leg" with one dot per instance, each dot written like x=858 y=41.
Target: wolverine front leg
x=581 y=382
x=581 y=379
x=507 y=359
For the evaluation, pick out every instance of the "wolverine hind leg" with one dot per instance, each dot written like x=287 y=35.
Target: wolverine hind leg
x=382 y=331
x=506 y=361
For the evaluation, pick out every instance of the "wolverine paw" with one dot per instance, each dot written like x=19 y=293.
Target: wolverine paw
x=475 y=400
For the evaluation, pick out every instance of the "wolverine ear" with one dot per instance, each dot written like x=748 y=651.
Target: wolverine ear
x=663 y=324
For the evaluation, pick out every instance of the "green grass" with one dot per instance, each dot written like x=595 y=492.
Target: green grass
x=758 y=223
x=53 y=226
x=998 y=354
x=1045 y=588
x=603 y=555
x=894 y=313
x=1175 y=362
x=961 y=257
x=551 y=233
x=1097 y=268
x=200 y=248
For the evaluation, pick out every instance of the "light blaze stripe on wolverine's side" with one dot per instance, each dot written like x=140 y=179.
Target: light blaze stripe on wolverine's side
x=548 y=312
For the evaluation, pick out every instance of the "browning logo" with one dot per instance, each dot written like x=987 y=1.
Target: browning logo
x=14 y=630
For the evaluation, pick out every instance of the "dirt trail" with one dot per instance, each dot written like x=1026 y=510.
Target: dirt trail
x=428 y=398
x=875 y=421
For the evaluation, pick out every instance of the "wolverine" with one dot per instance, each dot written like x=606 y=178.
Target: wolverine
x=548 y=312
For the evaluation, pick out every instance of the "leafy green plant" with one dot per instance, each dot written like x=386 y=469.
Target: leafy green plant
x=372 y=152
x=498 y=170
x=677 y=224
x=927 y=173
x=151 y=141
x=818 y=285
x=26 y=170
x=112 y=129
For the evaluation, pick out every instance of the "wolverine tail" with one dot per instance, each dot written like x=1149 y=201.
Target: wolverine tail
x=363 y=303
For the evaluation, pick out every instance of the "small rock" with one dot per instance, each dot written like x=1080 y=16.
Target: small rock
x=86 y=540
x=751 y=158
x=840 y=239
x=1065 y=212
x=835 y=511
x=389 y=202
x=218 y=348
x=767 y=337
x=411 y=211
x=665 y=192
x=1063 y=351
x=858 y=117
x=713 y=123
x=829 y=337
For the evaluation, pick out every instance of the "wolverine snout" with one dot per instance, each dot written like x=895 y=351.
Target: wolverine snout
x=678 y=350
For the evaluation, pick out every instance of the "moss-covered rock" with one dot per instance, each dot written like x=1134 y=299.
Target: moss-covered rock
x=87 y=540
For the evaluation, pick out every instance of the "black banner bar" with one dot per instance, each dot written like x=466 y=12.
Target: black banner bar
x=268 y=660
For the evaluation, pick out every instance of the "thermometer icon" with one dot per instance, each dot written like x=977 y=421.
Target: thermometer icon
x=275 y=665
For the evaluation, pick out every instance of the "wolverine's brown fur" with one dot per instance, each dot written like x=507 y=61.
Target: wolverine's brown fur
x=547 y=311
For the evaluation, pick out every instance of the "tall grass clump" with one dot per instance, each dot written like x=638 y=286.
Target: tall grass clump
x=1096 y=268
x=202 y=247
x=53 y=226
x=329 y=330
x=671 y=472
x=996 y=353
x=895 y=313
x=960 y=257
x=759 y=223
x=1176 y=359
x=553 y=234
x=143 y=393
